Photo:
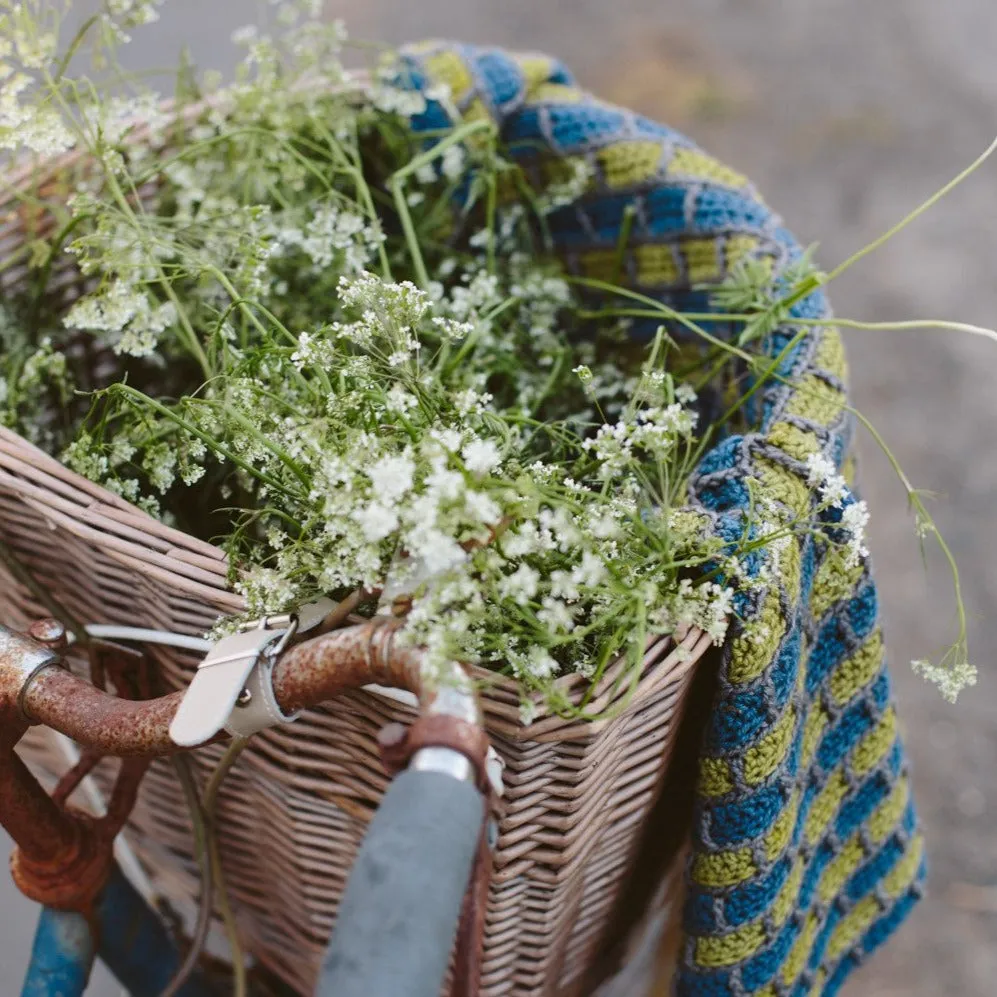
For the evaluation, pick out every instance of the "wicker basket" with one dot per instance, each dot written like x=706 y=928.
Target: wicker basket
x=294 y=809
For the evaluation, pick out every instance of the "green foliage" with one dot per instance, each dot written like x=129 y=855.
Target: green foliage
x=341 y=350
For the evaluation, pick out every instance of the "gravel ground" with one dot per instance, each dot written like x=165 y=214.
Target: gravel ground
x=846 y=115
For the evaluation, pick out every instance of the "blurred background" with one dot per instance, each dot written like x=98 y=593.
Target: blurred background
x=847 y=115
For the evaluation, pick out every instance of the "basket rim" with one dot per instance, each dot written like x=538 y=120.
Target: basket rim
x=134 y=538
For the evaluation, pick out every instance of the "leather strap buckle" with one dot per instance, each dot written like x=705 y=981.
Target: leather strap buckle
x=232 y=688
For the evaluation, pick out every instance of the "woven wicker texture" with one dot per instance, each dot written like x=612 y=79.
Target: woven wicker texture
x=294 y=809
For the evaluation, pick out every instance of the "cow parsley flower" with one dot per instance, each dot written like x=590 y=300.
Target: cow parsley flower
x=822 y=475
x=521 y=586
x=950 y=680
x=391 y=477
x=481 y=456
x=107 y=311
x=30 y=124
x=394 y=100
x=376 y=520
x=135 y=13
x=854 y=519
x=453 y=163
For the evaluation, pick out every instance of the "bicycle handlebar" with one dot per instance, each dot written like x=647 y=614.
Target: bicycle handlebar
x=305 y=675
x=397 y=920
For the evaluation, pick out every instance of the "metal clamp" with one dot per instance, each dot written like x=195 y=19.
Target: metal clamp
x=21 y=659
x=232 y=688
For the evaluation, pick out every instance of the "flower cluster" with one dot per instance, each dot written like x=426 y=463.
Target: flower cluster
x=312 y=335
x=834 y=494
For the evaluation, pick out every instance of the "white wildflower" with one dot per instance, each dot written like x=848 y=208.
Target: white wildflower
x=439 y=92
x=471 y=402
x=332 y=234
x=541 y=664
x=85 y=458
x=107 y=311
x=822 y=474
x=480 y=239
x=536 y=664
x=855 y=518
x=452 y=163
x=521 y=585
x=521 y=542
x=426 y=173
x=569 y=189
x=562 y=527
x=399 y=400
x=480 y=295
x=34 y=48
x=707 y=606
x=34 y=125
x=436 y=550
x=564 y=585
x=604 y=525
x=44 y=364
x=160 y=464
x=950 y=680
x=128 y=488
x=449 y=439
x=442 y=484
x=376 y=521
x=391 y=477
x=528 y=711
x=141 y=336
x=393 y=100
x=481 y=456
x=452 y=329
x=135 y=13
x=685 y=394
x=266 y=591
x=482 y=508
x=556 y=615
x=591 y=571
x=543 y=474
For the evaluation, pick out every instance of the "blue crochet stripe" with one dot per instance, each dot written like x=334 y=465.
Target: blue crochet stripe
x=873 y=938
x=749 y=901
x=501 y=78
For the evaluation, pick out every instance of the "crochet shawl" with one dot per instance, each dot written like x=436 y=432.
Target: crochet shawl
x=806 y=852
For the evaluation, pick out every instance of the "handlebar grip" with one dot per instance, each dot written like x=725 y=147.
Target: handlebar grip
x=398 y=917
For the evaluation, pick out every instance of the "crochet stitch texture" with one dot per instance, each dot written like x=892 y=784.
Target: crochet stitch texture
x=806 y=850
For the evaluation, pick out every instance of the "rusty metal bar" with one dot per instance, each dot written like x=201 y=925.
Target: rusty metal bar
x=64 y=858
x=306 y=674
x=30 y=816
x=97 y=720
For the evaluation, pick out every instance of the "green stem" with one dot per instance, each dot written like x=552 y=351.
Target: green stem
x=209 y=804
x=397 y=180
x=915 y=214
x=143 y=400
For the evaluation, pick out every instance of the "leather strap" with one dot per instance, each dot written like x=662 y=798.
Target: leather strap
x=256 y=709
